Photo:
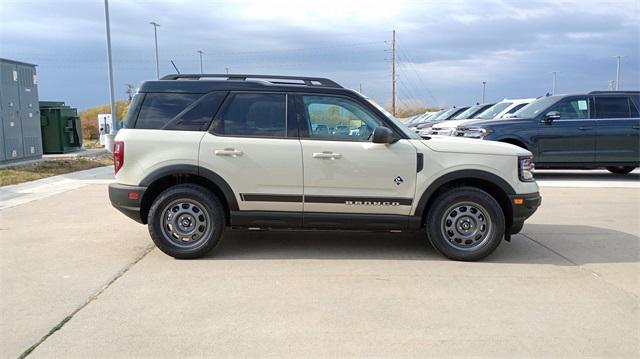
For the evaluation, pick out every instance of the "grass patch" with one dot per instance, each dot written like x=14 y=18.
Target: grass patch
x=91 y=144
x=34 y=171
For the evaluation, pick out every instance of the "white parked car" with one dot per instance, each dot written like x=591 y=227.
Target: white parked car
x=197 y=157
x=502 y=109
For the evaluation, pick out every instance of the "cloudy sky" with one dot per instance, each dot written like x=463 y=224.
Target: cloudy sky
x=445 y=48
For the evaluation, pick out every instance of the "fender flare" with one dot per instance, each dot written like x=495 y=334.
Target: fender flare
x=457 y=175
x=213 y=177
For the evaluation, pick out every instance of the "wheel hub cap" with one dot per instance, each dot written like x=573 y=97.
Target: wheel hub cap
x=466 y=225
x=185 y=222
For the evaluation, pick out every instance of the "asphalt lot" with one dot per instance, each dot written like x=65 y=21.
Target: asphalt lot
x=569 y=285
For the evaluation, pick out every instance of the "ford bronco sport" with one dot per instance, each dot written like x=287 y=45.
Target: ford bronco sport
x=201 y=153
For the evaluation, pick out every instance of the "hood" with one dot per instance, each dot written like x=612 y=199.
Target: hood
x=495 y=122
x=452 y=123
x=471 y=145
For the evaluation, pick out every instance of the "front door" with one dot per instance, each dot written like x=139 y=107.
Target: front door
x=344 y=172
x=249 y=146
x=572 y=137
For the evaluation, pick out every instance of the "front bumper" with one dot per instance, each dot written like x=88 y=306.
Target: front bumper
x=523 y=205
x=128 y=200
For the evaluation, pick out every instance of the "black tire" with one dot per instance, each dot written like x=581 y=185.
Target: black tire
x=620 y=170
x=465 y=210
x=182 y=204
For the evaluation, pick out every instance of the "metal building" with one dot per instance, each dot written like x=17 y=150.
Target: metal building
x=20 y=136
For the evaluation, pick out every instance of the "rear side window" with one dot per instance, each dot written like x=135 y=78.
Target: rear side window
x=253 y=115
x=159 y=108
x=612 y=107
x=198 y=116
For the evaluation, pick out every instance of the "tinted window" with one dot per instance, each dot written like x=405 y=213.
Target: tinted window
x=133 y=111
x=198 y=116
x=335 y=118
x=577 y=108
x=612 y=107
x=259 y=115
x=635 y=106
x=159 y=108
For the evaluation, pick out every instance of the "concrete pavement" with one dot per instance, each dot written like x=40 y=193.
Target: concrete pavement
x=567 y=286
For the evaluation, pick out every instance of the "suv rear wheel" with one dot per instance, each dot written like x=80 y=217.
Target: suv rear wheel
x=621 y=170
x=186 y=221
x=465 y=224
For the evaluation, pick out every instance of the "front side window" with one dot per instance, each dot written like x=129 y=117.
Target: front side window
x=516 y=108
x=335 y=118
x=612 y=107
x=159 y=108
x=253 y=115
x=494 y=110
x=577 y=108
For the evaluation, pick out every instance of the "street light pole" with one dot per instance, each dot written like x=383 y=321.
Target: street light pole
x=200 y=52
x=114 y=120
x=553 y=85
x=484 y=85
x=618 y=72
x=155 y=35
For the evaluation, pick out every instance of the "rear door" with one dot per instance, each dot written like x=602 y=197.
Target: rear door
x=572 y=137
x=618 y=125
x=251 y=147
x=346 y=172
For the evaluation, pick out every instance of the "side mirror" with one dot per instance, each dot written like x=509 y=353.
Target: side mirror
x=550 y=116
x=383 y=135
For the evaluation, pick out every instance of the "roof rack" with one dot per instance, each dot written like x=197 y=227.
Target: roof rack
x=308 y=81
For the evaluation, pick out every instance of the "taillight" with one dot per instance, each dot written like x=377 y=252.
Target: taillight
x=118 y=155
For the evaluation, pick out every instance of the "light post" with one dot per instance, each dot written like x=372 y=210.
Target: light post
x=618 y=72
x=553 y=84
x=155 y=35
x=200 y=52
x=109 y=139
x=484 y=87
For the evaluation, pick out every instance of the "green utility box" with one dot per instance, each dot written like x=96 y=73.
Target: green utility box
x=61 y=128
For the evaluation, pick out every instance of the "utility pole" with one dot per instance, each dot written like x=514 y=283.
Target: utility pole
x=393 y=73
x=553 y=85
x=155 y=34
x=200 y=52
x=484 y=87
x=227 y=69
x=360 y=88
x=618 y=72
x=114 y=121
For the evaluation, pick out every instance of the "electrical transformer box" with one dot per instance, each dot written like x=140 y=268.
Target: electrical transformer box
x=20 y=136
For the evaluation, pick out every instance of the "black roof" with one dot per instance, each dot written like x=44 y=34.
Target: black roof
x=16 y=62
x=203 y=83
x=610 y=92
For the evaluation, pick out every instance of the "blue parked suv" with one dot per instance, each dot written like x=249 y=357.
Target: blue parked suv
x=598 y=129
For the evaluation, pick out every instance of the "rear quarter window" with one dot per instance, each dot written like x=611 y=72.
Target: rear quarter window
x=158 y=109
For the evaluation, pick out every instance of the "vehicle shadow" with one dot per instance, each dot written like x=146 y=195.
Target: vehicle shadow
x=538 y=244
x=586 y=175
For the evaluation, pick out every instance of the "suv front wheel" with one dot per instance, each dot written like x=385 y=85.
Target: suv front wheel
x=465 y=223
x=186 y=221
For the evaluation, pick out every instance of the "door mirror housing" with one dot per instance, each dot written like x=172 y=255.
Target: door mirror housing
x=551 y=115
x=383 y=135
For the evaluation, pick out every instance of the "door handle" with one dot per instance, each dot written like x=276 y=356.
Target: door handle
x=228 y=152
x=327 y=155
x=585 y=128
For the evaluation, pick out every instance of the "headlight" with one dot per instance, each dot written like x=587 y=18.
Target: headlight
x=472 y=133
x=525 y=168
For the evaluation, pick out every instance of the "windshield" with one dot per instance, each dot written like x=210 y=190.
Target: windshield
x=466 y=114
x=494 y=110
x=401 y=126
x=443 y=115
x=536 y=107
